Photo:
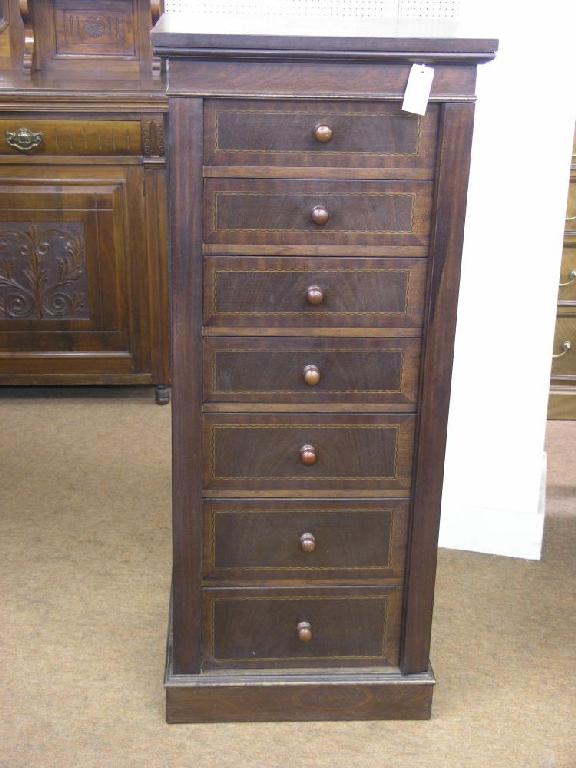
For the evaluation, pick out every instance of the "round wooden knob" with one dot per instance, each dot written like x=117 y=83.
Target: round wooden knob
x=307 y=542
x=314 y=295
x=308 y=455
x=304 y=631
x=323 y=133
x=311 y=375
x=319 y=215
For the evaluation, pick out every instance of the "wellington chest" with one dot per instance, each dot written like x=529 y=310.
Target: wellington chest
x=316 y=234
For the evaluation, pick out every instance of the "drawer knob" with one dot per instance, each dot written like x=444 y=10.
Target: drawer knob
x=319 y=215
x=323 y=133
x=308 y=455
x=24 y=139
x=311 y=375
x=571 y=279
x=307 y=542
x=314 y=295
x=566 y=347
x=304 y=631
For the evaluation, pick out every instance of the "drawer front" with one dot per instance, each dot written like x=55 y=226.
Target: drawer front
x=274 y=453
x=269 y=212
x=571 y=207
x=319 y=133
x=24 y=136
x=567 y=287
x=314 y=292
x=564 y=364
x=261 y=540
x=301 y=627
x=273 y=370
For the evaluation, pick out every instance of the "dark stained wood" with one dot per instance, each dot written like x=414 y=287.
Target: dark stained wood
x=274 y=370
x=298 y=697
x=262 y=541
x=87 y=35
x=282 y=212
x=324 y=80
x=261 y=453
x=456 y=124
x=253 y=627
x=309 y=458
x=272 y=292
x=364 y=134
x=94 y=185
x=285 y=35
x=186 y=262
x=54 y=296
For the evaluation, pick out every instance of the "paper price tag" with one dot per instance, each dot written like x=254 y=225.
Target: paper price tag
x=418 y=88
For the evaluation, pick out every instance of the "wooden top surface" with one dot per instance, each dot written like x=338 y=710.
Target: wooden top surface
x=182 y=33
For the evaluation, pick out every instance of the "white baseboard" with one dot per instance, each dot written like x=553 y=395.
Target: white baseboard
x=498 y=532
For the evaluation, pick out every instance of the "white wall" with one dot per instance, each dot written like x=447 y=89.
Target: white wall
x=513 y=241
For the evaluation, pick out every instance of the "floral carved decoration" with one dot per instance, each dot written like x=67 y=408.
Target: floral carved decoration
x=43 y=272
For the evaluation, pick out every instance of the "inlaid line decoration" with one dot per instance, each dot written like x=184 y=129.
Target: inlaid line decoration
x=311 y=352
x=213 y=515
x=313 y=117
x=217 y=194
x=211 y=619
x=307 y=312
x=212 y=429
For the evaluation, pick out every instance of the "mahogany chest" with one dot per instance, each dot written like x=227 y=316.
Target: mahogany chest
x=316 y=233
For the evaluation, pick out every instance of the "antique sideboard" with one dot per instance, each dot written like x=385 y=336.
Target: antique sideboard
x=83 y=216
x=316 y=234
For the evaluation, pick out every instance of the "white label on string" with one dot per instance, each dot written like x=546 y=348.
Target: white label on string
x=418 y=88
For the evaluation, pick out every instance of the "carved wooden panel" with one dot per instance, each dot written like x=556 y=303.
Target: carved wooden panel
x=11 y=35
x=95 y=36
x=153 y=135
x=99 y=29
x=43 y=271
x=72 y=272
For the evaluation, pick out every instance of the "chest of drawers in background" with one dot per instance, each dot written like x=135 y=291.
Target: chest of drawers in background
x=316 y=238
x=562 y=403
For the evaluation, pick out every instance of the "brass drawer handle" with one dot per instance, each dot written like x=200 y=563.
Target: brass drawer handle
x=307 y=542
x=308 y=455
x=304 y=631
x=566 y=347
x=319 y=215
x=323 y=133
x=314 y=295
x=24 y=139
x=311 y=375
x=570 y=218
x=571 y=279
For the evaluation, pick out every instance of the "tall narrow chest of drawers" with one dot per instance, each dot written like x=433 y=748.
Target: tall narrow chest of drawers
x=316 y=232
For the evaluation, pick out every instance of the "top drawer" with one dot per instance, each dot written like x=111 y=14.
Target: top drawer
x=24 y=136
x=319 y=133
